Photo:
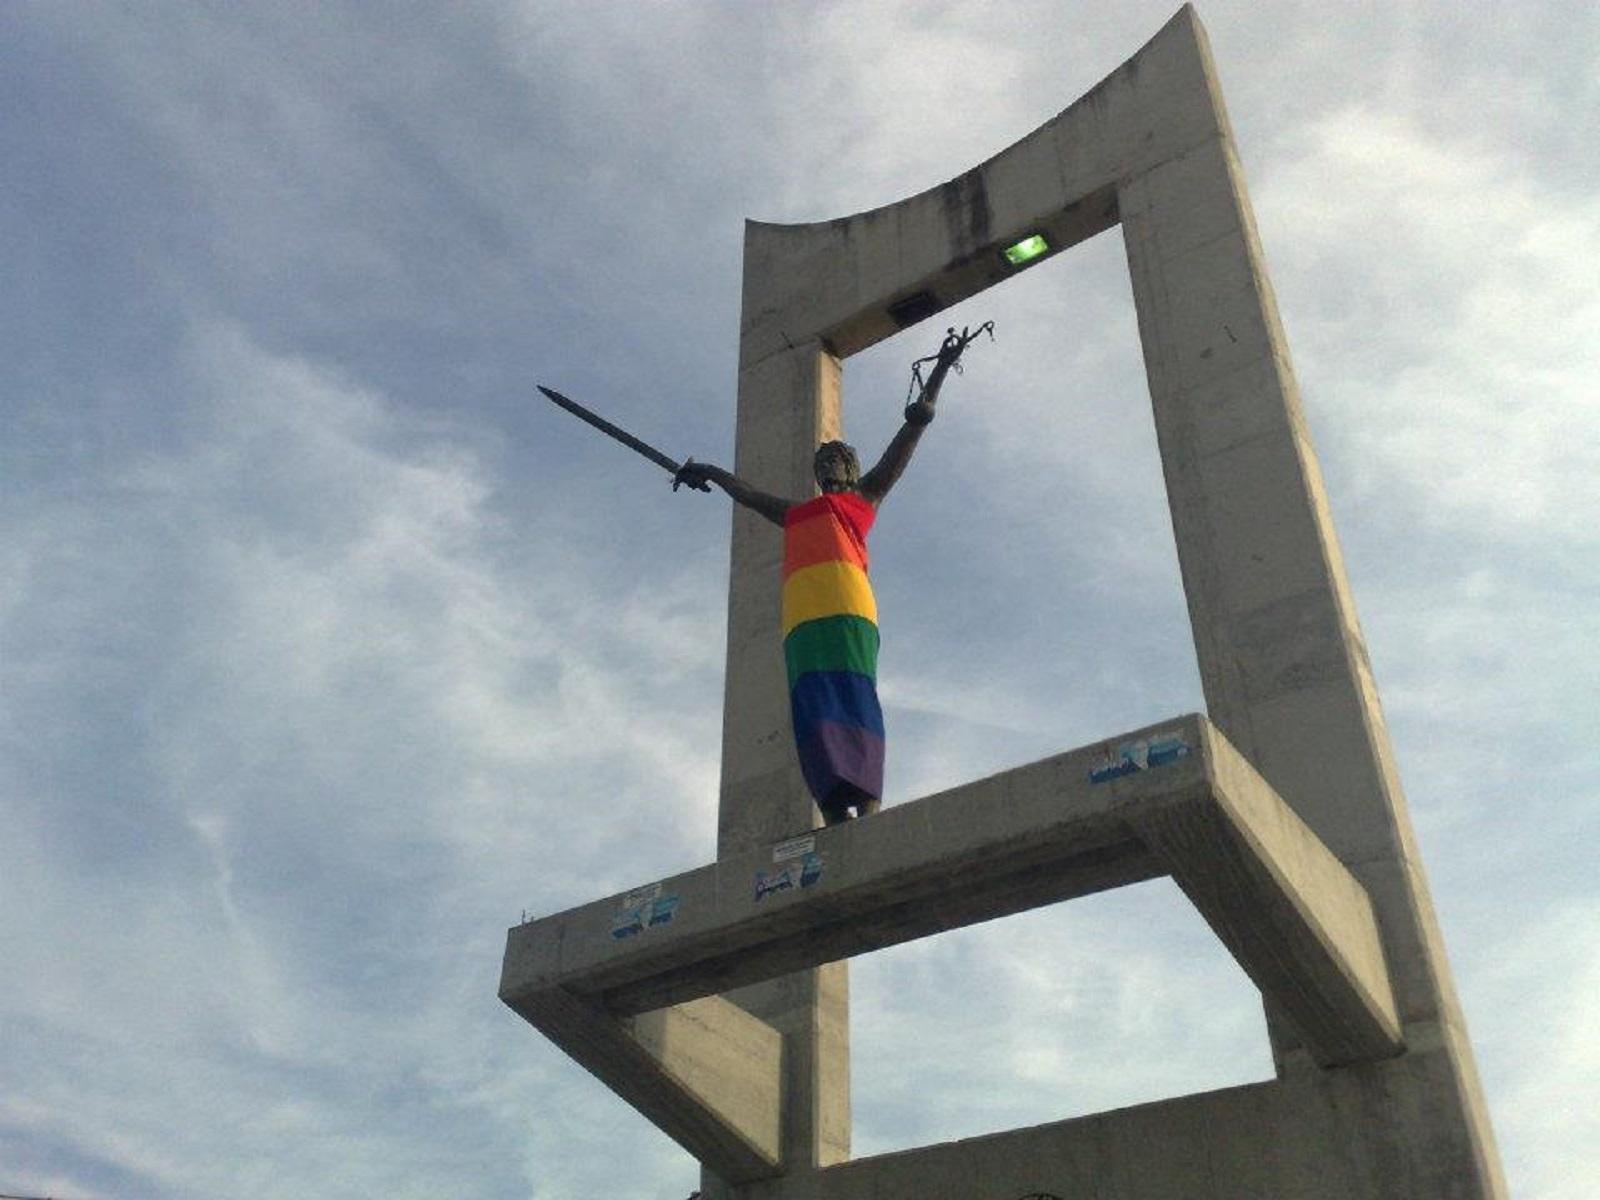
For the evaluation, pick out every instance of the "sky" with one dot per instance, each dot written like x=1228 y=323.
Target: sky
x=328 y=650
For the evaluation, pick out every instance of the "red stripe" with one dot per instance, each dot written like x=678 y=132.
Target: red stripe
x=821 y=539
x=830 y=528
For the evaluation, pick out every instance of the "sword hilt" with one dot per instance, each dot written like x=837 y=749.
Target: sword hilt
x=677 y=478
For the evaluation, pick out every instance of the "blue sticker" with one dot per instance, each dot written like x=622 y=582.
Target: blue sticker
x=810 y=870
x=1155 y=751
x=663 y=910
x=801 y=873
x=773 y=881
x=1166 y=748
x=641 y=910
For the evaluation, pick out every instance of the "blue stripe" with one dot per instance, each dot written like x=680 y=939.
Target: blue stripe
x=840 y=696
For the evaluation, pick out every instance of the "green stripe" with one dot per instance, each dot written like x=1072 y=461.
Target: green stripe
x=842 y=643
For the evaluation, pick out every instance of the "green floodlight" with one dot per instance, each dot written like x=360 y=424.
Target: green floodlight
x=1025 y=251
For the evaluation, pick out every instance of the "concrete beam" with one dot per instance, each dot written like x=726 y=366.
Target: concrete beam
x=706 y=1072
x=1172 y=799
x=848 y=280
x=1327 y=1135
x=1294 y=918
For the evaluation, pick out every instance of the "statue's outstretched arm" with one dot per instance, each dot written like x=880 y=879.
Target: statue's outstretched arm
x=875 y=484
x=769 y=506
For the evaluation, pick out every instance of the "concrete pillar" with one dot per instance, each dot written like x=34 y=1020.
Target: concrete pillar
x=788 y=404
x=1281 y=656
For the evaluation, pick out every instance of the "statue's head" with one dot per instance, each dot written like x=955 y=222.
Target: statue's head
x=836 y=467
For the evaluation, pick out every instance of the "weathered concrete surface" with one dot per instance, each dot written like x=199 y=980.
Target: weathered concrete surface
x=1280 y=652
x=1298 y=923
x=788 y=404
x=837 y=280
x=1281 y=658
x=1025 y=837
x=1383 y=1130
x=1296 y=920
x=706 y=1072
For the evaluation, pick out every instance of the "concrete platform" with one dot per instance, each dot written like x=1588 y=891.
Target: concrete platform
x=628 y=985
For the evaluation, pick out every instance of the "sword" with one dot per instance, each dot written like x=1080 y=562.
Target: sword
x=622 y=435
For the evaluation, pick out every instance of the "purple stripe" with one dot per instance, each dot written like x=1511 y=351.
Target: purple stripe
x=836 y=753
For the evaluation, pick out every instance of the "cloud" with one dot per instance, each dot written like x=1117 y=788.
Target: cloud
x=1082 y=1007
x=1543 y=1106
x=347 y=740
x=1455 y=345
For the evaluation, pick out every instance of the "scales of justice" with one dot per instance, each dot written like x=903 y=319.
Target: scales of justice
x=716 y=1001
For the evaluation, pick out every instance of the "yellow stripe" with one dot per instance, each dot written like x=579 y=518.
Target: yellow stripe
x=827 y=590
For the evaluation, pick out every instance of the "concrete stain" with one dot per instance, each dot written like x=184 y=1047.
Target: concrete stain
x=965 y=204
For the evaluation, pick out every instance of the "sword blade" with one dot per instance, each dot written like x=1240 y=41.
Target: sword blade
x=610 y=430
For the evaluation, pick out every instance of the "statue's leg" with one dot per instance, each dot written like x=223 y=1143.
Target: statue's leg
x=836 y=807
x=844 y=797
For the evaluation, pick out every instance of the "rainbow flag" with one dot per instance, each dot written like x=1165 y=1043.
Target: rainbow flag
x=830 y=644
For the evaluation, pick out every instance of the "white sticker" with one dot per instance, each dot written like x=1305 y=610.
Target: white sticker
x=641 y=896
x=794 y=847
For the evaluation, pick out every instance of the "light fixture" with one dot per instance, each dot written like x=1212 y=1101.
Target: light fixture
x=1025 y=251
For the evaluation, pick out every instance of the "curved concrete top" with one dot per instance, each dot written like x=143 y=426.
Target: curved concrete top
x=855 y=280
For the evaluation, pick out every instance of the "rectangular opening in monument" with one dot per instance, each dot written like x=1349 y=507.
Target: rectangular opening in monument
x=1090 y=1005
x=1025 y=571
x=1030 y=600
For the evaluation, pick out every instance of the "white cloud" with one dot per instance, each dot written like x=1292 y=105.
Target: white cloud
x=1537 y=1031
x=365 y=745
x=1082 y=1007
x=1458 y=346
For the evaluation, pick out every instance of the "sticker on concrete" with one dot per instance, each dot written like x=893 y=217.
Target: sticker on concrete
x=794 y=847
x=1157 y=750
x=642 y=909
x=799 y=873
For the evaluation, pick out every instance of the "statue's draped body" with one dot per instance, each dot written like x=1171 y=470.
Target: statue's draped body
x=830 y=648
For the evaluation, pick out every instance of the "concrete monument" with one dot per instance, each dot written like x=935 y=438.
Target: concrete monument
x=716 y=1001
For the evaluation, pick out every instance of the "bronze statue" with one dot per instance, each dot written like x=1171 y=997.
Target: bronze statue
x=829 y=620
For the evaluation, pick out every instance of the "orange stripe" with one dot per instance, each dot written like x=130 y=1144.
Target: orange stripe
x=822 y=538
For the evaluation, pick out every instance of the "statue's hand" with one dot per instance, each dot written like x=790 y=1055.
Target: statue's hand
x=694 y=475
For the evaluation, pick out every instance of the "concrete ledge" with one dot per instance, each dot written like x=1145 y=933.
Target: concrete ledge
x=1174 y=799
x=1328 y=1135
x=1294 y=918
x=1015 y=841
x=706 y=1073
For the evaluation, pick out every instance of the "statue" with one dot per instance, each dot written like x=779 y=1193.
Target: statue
x=829 y=618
